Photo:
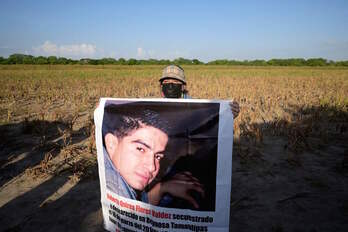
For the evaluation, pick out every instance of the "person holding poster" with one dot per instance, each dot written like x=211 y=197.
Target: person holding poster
x=173 y=85
x=135 y=142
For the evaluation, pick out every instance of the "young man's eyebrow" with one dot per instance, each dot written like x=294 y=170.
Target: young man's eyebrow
x=143 y=143
x=146 y=145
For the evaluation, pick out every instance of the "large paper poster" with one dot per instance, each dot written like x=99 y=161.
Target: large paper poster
x=164 y=164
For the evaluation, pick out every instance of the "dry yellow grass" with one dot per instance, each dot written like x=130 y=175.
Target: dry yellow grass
x=264 y=93
x=281 y=100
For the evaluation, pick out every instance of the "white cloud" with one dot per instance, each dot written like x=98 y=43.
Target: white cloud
x=48 y=48
x=141 y=53
x=71 y=50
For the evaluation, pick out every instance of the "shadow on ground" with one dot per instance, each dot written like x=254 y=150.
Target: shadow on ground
x=25 y=144
x=288 y=175
x=76 y=210
x=292 y=174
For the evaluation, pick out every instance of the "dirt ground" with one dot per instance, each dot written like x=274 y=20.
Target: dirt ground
x=273 y=189
x=290 y=154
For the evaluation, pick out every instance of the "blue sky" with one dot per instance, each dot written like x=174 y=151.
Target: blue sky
x=206 y=30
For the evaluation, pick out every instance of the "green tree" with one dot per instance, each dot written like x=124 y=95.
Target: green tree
x=107 y=61
x=16 y=59
x=257 y=62
x=71 y=61
x=52 y=60
x=316 y=62
x=122 y=61
x=182 y=61
x=28 y=59
x=62 y=60
x=41 y=60
x=196 y=61
x=342 y=63
x=132 y=61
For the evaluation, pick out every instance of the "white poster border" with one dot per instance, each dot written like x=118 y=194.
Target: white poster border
x=221 y=214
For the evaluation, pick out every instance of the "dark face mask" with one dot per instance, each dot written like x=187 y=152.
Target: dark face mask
x=171 y=90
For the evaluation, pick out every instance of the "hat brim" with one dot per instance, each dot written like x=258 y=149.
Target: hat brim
x=175 y=78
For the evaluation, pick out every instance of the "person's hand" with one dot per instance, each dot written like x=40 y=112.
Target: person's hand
x=180 y=185
x=234 y=108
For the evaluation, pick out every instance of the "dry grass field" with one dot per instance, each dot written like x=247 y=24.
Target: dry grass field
x=290 y=156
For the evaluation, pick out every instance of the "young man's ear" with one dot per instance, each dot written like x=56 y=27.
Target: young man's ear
x=111 y=143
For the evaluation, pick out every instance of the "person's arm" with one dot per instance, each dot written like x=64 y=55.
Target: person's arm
x=234 y=108
x=178 y=186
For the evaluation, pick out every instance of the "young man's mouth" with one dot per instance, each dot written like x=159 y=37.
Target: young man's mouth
x=144 y=177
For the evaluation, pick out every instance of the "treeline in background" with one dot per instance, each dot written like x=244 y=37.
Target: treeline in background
x=29 y=59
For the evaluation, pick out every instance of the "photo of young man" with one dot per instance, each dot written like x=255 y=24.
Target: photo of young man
x=139 y=137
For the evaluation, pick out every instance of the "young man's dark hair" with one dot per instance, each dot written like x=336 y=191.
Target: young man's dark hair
x=121 y=119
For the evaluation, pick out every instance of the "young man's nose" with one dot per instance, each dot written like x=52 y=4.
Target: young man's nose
x=149 y=162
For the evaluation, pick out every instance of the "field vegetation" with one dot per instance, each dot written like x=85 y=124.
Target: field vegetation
x=288 y=116
x=298 y=103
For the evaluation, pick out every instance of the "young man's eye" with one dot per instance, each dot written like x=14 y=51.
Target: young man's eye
x=158 y=156
x=140 y=149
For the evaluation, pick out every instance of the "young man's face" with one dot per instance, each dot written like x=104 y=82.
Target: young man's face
x=137 y=155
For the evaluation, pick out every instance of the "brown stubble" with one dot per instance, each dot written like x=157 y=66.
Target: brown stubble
x=300 y=104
